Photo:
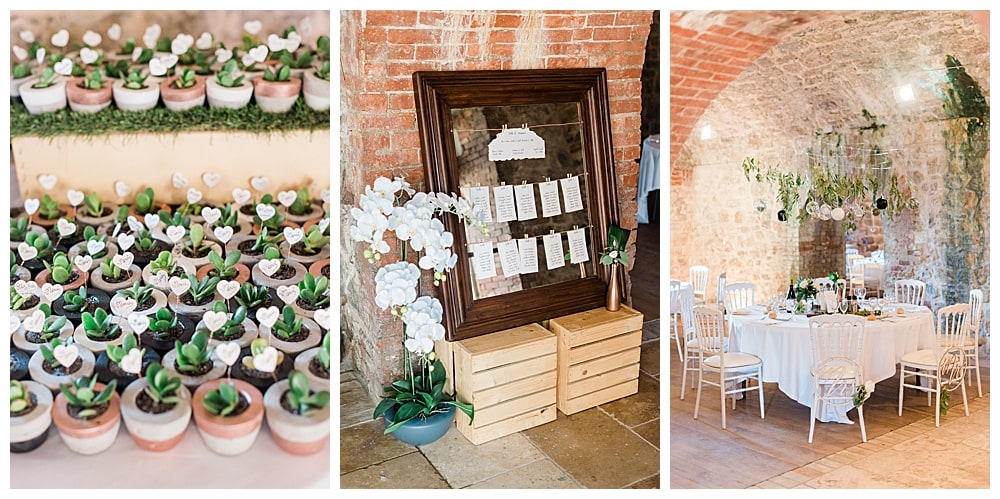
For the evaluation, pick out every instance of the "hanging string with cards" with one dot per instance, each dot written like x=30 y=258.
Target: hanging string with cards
x=520 y=256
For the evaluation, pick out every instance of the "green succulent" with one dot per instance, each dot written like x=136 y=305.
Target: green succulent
x=233 y=327
x=135 y=79
x=48 y=208
x=251 y=296
x=314 y=240
x=61 y=269
x=110 y=270
x=21 y=70
x=75 y=300
x=280 y=73
x=224 y=267
x=185 y=79
x=323 y=47
x=17 y=302
x=266 y=237
x=18 y=228
x=144 y=201
x=161 y=386
x=118 y=68
x=144 y=241
x=303 y=61
x=92 y=203
x=81 y=394
x=53 y=324
x=181 y=217
x=93 y=81
x=323 y=355
x=324 y=71
x=40 y=242
x=116 y=353
x=165 y=262
x=301 y=398
x=202 y=289
x=229 y=76
x=49 y=348
x=14 y=266
x=141 y=293
x=191 y=356
x=195 y=244
x=229 y=216
x=312 y=290
x=223 y=400
x=162 y=322
x=20 y=397
x=90 y=234
x=302 y=203
x=288 y=325
x=47 y=79
x=99 y=325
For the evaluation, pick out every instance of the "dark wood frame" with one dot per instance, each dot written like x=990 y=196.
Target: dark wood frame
x=436 y=94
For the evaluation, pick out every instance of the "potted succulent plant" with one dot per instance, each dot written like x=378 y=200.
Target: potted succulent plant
x=223 y=327
x=20 y=73
x=252 y=246
x=195 y=249
x=34 y=250
x=143 y=245
x=17 y=272
x=298 y=416
x=316 y=87
x=193 y=361
x=156 y=409
x=73 y=303
x=115 y=272
x=159 y=270
x=228 y=414
x=46 y=93
x=41 y=327
x=276 y=91
x=315 y=364
x=100 y=329
x=223 y=224
x=254 y=297
x=302 y=209
x=310 y=245
x=185 y=90
x=23 y=301
x=290 y=333
x=93 y=244
x=314 y=294
x=262 y=364
x=61 y=272
x=87 y=415
x=96 y=213
x=228 y=268
x=89 y=94
x=30 y=415
x=274 y=271
x=228 y=89
x=191 y=296
x=148 y=300
x=19 y=229
x=165 y=329
x=124 y=363
x=58 y=362
x=50 y=211
x=133 y=93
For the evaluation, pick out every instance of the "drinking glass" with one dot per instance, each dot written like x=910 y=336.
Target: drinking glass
x=842 y=306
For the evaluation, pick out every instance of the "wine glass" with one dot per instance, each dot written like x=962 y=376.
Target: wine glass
x=842 y=306
x=860 y=293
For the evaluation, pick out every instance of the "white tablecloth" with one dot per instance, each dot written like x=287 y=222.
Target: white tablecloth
x=786 y=349
x=649 y=175
x=675 y=301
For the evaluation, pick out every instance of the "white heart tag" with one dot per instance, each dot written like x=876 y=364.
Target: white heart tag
x=132 y=361
x=247 y=60
x=95 y=246
x=26 y=251
x=138 y=322
x=325 y=195
x=25 y=289
x=63 y=67
x=151 y=220
x=123 y=260
x=323 y=224
x=92 y=39
x=269 y=267
x=149 y=39
x=157 y=68
x=322 y=317
x=19 y=52
x=15 y=324
x=223 y=55
x=193 y=195
x=181 y=43
x=122 y=189
x=65 y=354
x=241 y=196
x=178 y=286
x=259 y=183
x=169 y=60
x=215 y=320
x=210 y=214
x=51 y=292
x=275 y=42
x=88 y=55
x=31 y=206
x=47 y=181
x=175 y=233
x=292 y=235
x=289 y=293
x=115 y=32
x=228 y=289
x=252 y=27
x=267 y=316
x=40 y=55
x=136 y=53
x=293 y=41
x=65 y=227
x=223 y=234
x=259 y=53
x=122 y=305
x=60 y=38
x=204 y=41
x=178 y=180
x=133 y=224
x=34 y=322
x=210 y=179
x=267 y=360
x=265 y=211
x=286 y=198
x=83 y=262
x=27 y=36
x=228 y=352
x=125 y=241
x=75 y=197
x=160 y=279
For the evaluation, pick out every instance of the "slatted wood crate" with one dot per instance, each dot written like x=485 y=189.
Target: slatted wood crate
x=510 y=378
x=598 y=357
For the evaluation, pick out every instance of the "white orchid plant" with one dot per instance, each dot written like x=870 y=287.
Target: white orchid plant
x=413 y=218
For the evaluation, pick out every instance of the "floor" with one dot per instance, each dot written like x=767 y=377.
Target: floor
x=615 y=445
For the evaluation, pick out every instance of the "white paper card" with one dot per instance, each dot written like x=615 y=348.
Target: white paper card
x=550 y=198
x=516 y=143
x=528 y=249
x=504 y=197
x=577 y=246
x=482 y=260
x=480 y=197
x=510 y=259
x=525 y=194
x=553 y=251
x=571 y=194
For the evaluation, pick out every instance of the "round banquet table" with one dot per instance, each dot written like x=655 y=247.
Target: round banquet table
x=785 y=347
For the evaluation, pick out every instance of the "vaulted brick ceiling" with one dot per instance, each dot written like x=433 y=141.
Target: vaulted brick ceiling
x=710 y=49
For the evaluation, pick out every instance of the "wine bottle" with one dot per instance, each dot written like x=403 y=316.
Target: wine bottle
x=790 y=297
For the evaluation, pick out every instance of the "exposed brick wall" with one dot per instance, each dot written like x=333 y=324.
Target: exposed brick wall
x=382 y=49
x=818 y=81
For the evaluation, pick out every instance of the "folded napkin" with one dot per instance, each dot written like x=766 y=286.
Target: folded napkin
x=828 y=300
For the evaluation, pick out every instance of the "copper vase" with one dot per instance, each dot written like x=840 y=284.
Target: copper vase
x=614 y=298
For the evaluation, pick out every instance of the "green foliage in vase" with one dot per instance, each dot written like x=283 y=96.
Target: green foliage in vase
x=301 y=398
x=193 y=355
x=419 y=397
x=223 y=400
x=60 y=269
x=82 y=394
x=614 y=252
x=99 y=326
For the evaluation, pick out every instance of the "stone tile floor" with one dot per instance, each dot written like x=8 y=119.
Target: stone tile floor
x=615 y=445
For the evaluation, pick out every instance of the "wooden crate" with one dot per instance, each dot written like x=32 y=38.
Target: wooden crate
x=510 y=378
x=598 y=357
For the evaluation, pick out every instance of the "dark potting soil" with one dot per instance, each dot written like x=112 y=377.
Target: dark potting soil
x=285 y=273
x=187 y=299
x=56 y=369
x=299 y=336
x=326 y=271
x=198 y=254
x=29 y=303
x=317 y=368
x=19 y=360
x=198 y=371
x=241 y=406
x=112 y=337
x=300 y=249
x=73 y=276
x=14 y=278
x=248 y=209
x=32 y=402
x=286 y=405
x=245 y=247
x=36 y=337
x=146 y=304
x=220 y=334
x=91 y=304
x=124 y=276
x=148 y=405
x=75 y=411
x=172 y=334
x=308 y=306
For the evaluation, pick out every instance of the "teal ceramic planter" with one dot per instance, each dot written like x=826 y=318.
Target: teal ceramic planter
x=421 y=431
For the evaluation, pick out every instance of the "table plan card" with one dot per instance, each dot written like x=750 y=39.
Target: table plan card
x=528 y=250
x=510 y=258
x=571 y=194
x=482 y=260
x=480 y=197
x=553 y=251
x=525 y=194
x=577 y=246
x=504 y=197
x=550 y=198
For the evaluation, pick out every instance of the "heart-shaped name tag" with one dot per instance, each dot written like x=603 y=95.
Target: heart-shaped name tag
x=47 y=181
x=178 y=286
x=267 y=360
x=31 y=206
x=139 y=322
x=83 y=262
x=286 y=198
x=65 y=227
x=132 y=361
x=178 y=179
x=75 y=197
x=322 y=317
x=241 y=196
x=193 y=195
x=134 y=224
x=122 y=189
x=34 y=322
x=25 y=289
x=293 y=236
x=267 y=316
x=95 y=246
x=125 y=241
x=152 y=220
x=269 y=266
x=160 y=279
x=228 y=289
x=210 y=214
x=289 y=293
x=210 y=179
x=65 y=354
x=215 y=320
x=175 y=233
x=223 y=234
x=265 y=211
x=259 y=183
x=51 y=292
x=123 y=260
x=122 y=305
x=26 y=251
x=228 y=352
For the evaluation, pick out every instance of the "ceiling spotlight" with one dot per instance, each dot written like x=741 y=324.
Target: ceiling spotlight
x=904 y=93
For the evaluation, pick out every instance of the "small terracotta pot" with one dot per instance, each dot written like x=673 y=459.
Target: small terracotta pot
x=296 y=434
x=85 y=100
x=276 y=96
x=302 y=362
x=81 y=278
x=182 y=99
x=229 y=435
x=91 y=436
x=65 y=211
x=242 y=272
x=155 y=432
x=316 y=268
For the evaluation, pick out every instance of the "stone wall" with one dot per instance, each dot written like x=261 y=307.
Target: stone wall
x=820 y=81
x=380 y=51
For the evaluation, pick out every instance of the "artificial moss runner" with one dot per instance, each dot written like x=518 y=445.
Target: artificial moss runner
x=112 y=120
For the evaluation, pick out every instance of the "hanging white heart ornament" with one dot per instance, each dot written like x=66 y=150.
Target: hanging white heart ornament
x=34 y=322
x=215 y=320
x=122 y=305
x=211 y=214
x=228 y=352
x=125 y=241
x=26 y=251
x=132 y=361
x=223 y=234
x=293 y=236
x=241 y=196
x=269 y=266
x=210 y=179
x=47 y=181
x=65 y=354
x=138 y=322
x=123 y=260
x=265 y=211
x=83 y=262
x=175 y=233
x=178 y=286
x=267 y=316
x=267 y=360
x=228 y=289
x=75 y=197
x=286 y=198
x=51 y=292
x=289 y=293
